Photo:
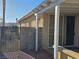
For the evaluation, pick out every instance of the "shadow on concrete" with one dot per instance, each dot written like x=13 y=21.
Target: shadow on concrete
x=41 y=54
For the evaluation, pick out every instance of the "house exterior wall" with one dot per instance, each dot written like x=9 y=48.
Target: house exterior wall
x=76 y=30
x=44 y=23
x=27 y=32
x=31 y=22
x=45 y=40
x=76 y=38
x=62 y=35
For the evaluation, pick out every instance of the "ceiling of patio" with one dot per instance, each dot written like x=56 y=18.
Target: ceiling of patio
x=69 y=6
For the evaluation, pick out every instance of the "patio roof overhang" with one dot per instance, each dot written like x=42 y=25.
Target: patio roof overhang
x=47 y=5
x=67 y=6
x=55 y=4
x=43 y=7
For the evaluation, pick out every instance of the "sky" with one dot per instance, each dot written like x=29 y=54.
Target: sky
x=18 y=8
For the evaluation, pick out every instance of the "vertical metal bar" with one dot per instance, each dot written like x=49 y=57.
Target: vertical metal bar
x=56 y=31
x=3 y=24
x=36 y=45
x=4 y=8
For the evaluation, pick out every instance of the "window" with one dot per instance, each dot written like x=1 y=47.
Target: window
x=51 y=30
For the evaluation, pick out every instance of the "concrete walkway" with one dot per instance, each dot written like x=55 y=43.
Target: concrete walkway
x=17 y=55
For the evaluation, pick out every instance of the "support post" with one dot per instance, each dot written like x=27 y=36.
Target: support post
x=36 y=43
x=56 y=31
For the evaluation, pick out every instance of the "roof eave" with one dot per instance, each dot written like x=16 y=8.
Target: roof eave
x=35 y=10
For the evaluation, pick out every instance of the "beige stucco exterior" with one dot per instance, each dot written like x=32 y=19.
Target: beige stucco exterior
x=63 y=29
x=45 y=40
x=31 y=22
x=68 y=8
x=44 y=24
x=76 y=41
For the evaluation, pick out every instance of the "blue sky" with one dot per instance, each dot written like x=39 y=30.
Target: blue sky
x=18 y=8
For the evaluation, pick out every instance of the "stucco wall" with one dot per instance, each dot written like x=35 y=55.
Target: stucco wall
x=31 y=22
x=44 y=24
x=76 y=34
x=46 y=33
x=45 y=40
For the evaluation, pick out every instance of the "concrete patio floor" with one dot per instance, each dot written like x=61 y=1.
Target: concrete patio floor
x=41 y=54
x=2 y=56
x=26 y=55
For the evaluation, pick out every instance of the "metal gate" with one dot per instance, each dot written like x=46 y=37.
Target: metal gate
x=10 y=41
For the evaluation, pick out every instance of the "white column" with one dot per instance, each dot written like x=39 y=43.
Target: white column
x=56 y=31
x=36 y=45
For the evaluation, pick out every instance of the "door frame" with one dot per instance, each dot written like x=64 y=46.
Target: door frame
x=65 y=28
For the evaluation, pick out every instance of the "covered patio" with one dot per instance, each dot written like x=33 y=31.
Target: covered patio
x=69 y=10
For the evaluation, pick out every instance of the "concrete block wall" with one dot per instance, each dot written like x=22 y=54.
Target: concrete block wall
x=27 y=37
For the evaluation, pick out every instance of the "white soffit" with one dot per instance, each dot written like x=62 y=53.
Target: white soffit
x=47 y=4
